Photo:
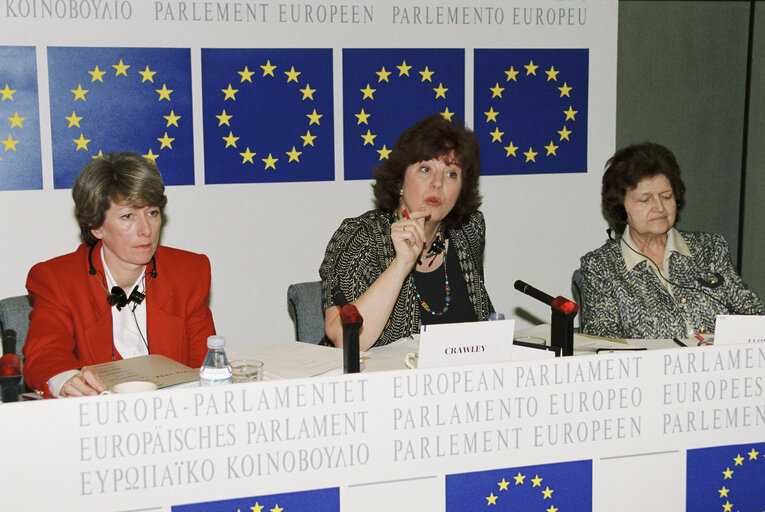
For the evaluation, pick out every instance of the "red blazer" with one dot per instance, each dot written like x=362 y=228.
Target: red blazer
x=71 y=321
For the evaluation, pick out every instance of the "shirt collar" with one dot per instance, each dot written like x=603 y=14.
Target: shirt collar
x=675 y=243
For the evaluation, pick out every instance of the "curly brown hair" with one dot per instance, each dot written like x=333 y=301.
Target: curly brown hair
x=628 y=167
x=432 y=137
x=122 y=178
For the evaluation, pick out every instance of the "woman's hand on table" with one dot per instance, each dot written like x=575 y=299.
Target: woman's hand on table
x=84 y=383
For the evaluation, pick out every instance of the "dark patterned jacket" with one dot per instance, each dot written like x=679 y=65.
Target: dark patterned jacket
x=360 y=251
x=618 y=303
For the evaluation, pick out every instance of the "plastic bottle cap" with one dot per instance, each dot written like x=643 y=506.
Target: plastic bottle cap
x=216 y=342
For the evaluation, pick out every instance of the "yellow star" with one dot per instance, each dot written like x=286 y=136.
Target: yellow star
x=440 y=91
x=257 y=507
x=369 y=138
x=564 y=133
x=384 y=152
x=496 y=91
x=172 y=119
x=151 y=156
x=426 y=74
x=247 y=156
x=246 y=75
x=491 y=499
x=166 y=142
x=519 y=477
x=292 y=75
x=447 y=115
x=82 y=143
x=565 y=90
x=164 y=93
x=97 y=74
x=121 y=68
x=7 y=93
x=552 y=74
x=270 y=162
x=100 y=154
x=724 y=492
x=753 y=454
x=362 y=117
x=511 y=149
x=79 y=93
x=230 y=140
x=727 y=506
x=16 y=120
x=11 y=144
x=739 y=460
x=547 y=493
x=383 y=75
x=223 y=118
x=570 y=113
x=308 y=138
x=511 y=74
x=308 y=92
x=403 y=69
x=496 y=135
x=147 y=74
x=314 y=118
x=277 y=508
x=294 y=155
x=536 y=480
x=491 y=115
x=552 y=509
x=229 y=93
x=551 y=149
x=368 y=92
x=728 y=474
x=503 y=485
x=268 y=69
x=530 y=154
x=74 y=120
x=531 y=68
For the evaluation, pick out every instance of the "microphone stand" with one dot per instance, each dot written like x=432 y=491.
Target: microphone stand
x=10 y=368
x=352 y=321
x=562 y=318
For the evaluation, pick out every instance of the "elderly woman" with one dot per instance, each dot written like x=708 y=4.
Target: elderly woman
x=417 y=258
x=656 y=281
x=120 y=294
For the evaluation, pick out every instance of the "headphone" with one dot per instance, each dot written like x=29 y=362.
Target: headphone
x=117 y=296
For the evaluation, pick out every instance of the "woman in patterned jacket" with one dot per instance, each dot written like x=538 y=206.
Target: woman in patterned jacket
x=391 y=262
x=656 y=281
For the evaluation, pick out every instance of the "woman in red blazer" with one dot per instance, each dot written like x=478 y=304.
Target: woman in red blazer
x=119 y=294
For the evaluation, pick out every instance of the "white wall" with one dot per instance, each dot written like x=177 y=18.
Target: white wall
x=262 y=237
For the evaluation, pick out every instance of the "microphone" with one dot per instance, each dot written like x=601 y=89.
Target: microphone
x=562 y=321
x=10 y=367
x=352 y=321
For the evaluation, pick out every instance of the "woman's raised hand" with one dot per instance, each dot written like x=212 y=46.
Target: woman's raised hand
x=408 y=236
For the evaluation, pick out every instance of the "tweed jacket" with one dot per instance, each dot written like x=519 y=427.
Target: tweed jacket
x=71 y=321
x=619 y=303
x=360 y=251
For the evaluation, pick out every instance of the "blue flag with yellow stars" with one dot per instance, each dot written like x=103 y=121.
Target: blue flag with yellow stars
x=321 y=500
x=268 y=115
x=20 y=160
x=107 y=100
x=726 y=478
x=531 y=110
x=387 y=91
x=566 y=486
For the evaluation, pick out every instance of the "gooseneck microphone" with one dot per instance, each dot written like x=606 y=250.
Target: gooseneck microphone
x=559 y=303
x=562 y=317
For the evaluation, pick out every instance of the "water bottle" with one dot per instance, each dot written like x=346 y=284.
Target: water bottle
x=215 y=370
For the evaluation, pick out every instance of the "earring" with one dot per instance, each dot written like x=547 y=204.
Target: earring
x=401 y=192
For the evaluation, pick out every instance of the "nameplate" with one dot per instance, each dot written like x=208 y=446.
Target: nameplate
x=466 y=343
x=738 y=329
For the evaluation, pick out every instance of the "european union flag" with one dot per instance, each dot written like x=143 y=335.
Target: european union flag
x=321 y=500
x=726 y=478
x=268 y=115
x=531 y=110
x=121 y=99
x=549 y=487
x=20 y=161
x=387 y=91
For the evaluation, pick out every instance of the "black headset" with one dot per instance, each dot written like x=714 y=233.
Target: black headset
x=117 y=296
